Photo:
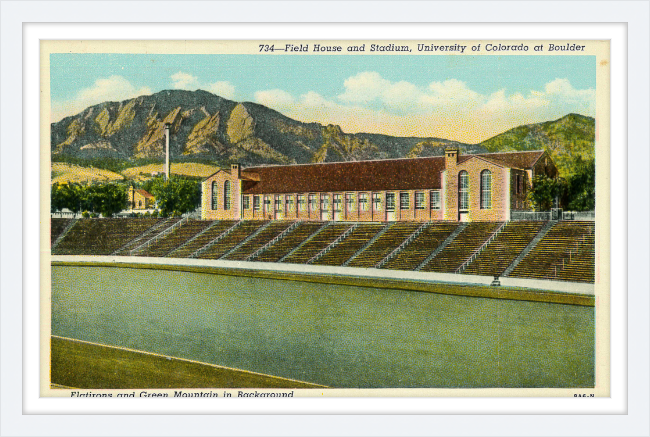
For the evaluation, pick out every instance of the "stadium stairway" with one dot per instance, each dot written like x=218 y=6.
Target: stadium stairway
x=557 y=251
x=290 y=242
x=232 y=240
x=461 y=248
x=417 y=251
x=339 y=253
x=495 y=258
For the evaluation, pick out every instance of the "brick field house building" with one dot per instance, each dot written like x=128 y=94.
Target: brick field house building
x=454 y=187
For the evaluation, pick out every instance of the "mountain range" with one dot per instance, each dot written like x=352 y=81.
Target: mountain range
x=206 y=127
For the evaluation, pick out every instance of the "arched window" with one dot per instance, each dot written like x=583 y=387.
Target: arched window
x=463 y=191
x=486 y=189
x=215 y=195
x=226 y=195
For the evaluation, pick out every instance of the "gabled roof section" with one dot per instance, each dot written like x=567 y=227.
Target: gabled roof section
x=522 y=160
x=393 y=174
x=144 y=193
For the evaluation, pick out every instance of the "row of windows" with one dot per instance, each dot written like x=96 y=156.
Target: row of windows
x=485 y=191
x=309 y=203
x=405 y=199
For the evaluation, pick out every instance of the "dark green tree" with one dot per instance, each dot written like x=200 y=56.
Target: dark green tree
x=108 y=199
x=582 y=186
x=176 y=194
x=545 y=191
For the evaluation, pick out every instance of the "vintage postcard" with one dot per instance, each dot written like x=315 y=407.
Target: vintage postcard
x=325 y=218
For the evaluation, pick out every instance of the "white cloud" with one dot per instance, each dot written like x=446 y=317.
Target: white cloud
x=113 y=88
x=277 y=99
x=222 y=88
x=185 y=81
x=448 y=109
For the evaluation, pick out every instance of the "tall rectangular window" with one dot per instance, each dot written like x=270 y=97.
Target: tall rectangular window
x=486 y=189
x=325 y=202
x=376 y=201
x=278 y=203
x=463 y=191
x=390 y=201
x=246 y=202
x=215 y=196
x=337 y=202
x=419 y=200
x=226 y=195
x=349 y=201
x=363 y=201
x=404 y=200
x=435 y=200
x=256 y=203
x=312 y=202
x=288 y=200
x=267 y=204
x=302 y=204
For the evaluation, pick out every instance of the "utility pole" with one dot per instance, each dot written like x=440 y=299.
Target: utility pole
x=167 y=126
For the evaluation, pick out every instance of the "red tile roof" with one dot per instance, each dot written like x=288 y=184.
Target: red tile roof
x=144 y=193
x=393 y=174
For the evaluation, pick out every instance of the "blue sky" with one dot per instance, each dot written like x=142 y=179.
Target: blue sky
x=466 y=97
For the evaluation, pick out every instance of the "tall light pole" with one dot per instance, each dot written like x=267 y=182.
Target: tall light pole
x=167 y=126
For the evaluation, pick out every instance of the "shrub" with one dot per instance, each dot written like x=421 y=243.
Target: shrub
x=154 y=214
x=85 y=214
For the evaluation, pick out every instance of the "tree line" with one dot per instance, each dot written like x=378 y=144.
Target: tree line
x=176 y=196
x=575 y=193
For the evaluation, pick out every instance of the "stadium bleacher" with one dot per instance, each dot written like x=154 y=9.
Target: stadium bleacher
x=421 y=247
x=557 y=250
x=175 y=238
x=319 y=242
x=385 y=244
x=239 y=234
x=101 y=236
x=502 y=251
x=566 y=252
x=57 y=227
x=470 y=239
x=217 y=228
x=359 y=237
x=289 y=242
x=264 y=236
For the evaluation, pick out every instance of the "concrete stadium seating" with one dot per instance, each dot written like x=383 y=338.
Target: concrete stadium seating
x=385 y=244
x=420 y=248
x=289 y=242
x=217 y=229
x=567 y=246
x=320 y=241
x=176 y=238
x=101 y=236
x=502 y=251
x=470 y=239
x=350 y=245
x=238 y=235
x=259 y=240
x=57 y=227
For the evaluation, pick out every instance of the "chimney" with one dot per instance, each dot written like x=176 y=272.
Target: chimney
x=235 y=170
x=451 y=157
x=167 y=126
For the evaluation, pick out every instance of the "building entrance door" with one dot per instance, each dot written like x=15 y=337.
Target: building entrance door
x=337 y=207
x=278 y=208
x=391 y=215
x=325 y=208
x=463 y=216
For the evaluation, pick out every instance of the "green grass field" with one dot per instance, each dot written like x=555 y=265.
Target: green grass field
x=84 y=365
x=336 y=335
